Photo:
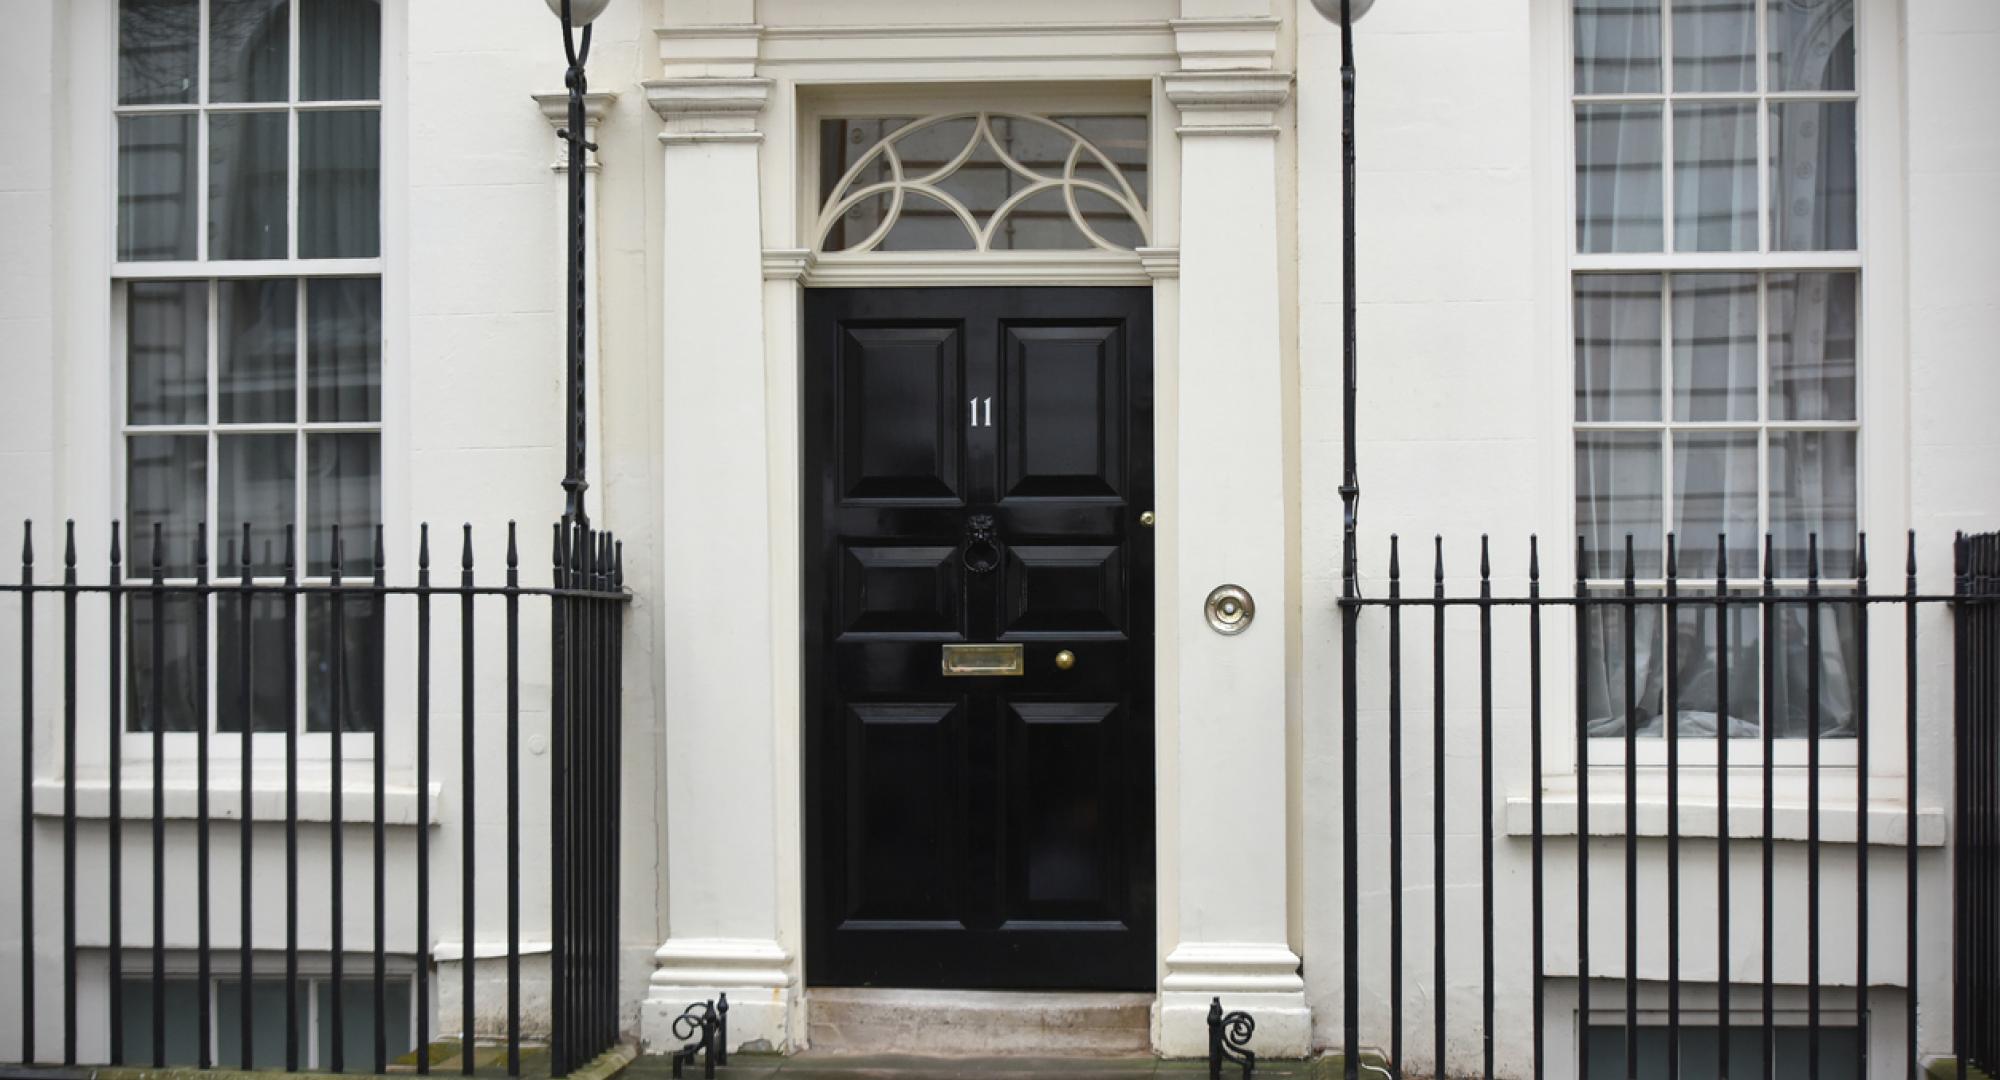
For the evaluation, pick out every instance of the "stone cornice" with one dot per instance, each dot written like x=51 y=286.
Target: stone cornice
x=1235 y=43
x=708 y=96
x=709 y=108
x=1228 y=102
x=555 y=109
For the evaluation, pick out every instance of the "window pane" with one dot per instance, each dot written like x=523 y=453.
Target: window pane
x=1839 y=1058
x=1715 y=46
x=183 y=1004
x=166 y=485
x=359 y=662
x=1812 y=346
x=1839 y=660
x=1605 y=662
x=1618 y=493
x=358 y=1000
x=1812 y=45
x=156 y=187
x=842 y=142
x=1109 y=220
x=1813 y=492
x=257 y=347
x=344 y=349
x=339 y=185
x=340 y=42
x=158 y=43
x=1715 y=346
x=1617 y=46
x=1619 y=190
x=257 y=487
x=267 y=1023
x=1039 y=222
x=1813 y=176
x=166 y=352
x=249 y=50
x=343 y=487
x=270 y=700
x=926 y=224
x=1124 y=139
x=1715 y=494
x=1699 y=674
x=1618 y=347
x=179 y=689
x=1715 y=177
x=246 y=185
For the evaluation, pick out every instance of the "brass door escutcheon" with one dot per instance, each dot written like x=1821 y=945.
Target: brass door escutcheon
x=967 y=661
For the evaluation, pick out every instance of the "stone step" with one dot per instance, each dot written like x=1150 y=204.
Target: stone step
x=960 y=1022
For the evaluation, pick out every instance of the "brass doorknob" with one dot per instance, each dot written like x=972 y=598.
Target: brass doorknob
x=1146 y=519
x=1065 y=660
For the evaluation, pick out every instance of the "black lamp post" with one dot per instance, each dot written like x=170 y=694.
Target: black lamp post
x=1344 y=12
x=576 y=47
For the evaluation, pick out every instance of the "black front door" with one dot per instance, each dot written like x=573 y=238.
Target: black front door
x=977 y=462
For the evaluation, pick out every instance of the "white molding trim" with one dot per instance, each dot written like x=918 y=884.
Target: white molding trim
x=555 y=109
x=1210 y=91
x=788 y=264
x=1227 y=43
x=947 y=268
x=1249 y=968
x=954 y=45
x=756 y=973
x=724 y=962
x=1160 y=262
x=708 y=96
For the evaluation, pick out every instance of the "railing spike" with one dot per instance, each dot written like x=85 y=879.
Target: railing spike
x=513 y=547
x=117 y=550
x=557 y=557
x=159 y=545
x=1768 y=560
x=1910 y=561
x=243 y=557
x=424 y=546
x=465 y=553
x=1673 y=562
x=618 y=564
x=1534 y=558
x=69 y=544
x=291 y=553
x=1722 y=556
x=1631 y=564
x=1438 y=563
x=28 y=542
x=1861 y=555
x=1485 y=558
x=1812 y=556
x=1395 y=557
x=381 y=550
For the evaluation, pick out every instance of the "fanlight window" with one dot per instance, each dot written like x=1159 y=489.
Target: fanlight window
x=979 y=182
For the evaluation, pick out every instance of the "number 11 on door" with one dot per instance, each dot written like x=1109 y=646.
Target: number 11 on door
x=974 y=413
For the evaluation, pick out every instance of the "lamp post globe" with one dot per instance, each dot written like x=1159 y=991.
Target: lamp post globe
x=1330 y=9
x=584 y=12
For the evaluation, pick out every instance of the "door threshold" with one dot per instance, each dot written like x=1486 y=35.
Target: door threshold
x=970 y=1023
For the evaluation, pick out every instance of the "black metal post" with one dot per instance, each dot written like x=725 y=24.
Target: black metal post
x=1350 y=586
x=577 y=48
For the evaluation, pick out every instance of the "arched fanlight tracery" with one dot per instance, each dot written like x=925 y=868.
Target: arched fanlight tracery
x=986 y=181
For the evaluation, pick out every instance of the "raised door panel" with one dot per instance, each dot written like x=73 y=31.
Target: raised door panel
x=900 y=589
x=1063 y=858
x=905 y=812
x=1064 y=588
x=1065 y=409
x=898 y=420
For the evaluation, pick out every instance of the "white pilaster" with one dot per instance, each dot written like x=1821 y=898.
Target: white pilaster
x=1233 y=940
x=555 y=108
x=722 y=847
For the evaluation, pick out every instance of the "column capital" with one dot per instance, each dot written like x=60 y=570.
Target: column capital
x=1228 y=102
x=709 y=108
x=555 y=109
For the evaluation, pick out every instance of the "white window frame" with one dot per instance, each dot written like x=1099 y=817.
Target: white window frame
x=1880 y=388
x=268 y=748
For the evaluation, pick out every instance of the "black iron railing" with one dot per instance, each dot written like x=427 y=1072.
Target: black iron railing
x=1780 y=634
x=156 y=656
x=1976 y=871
